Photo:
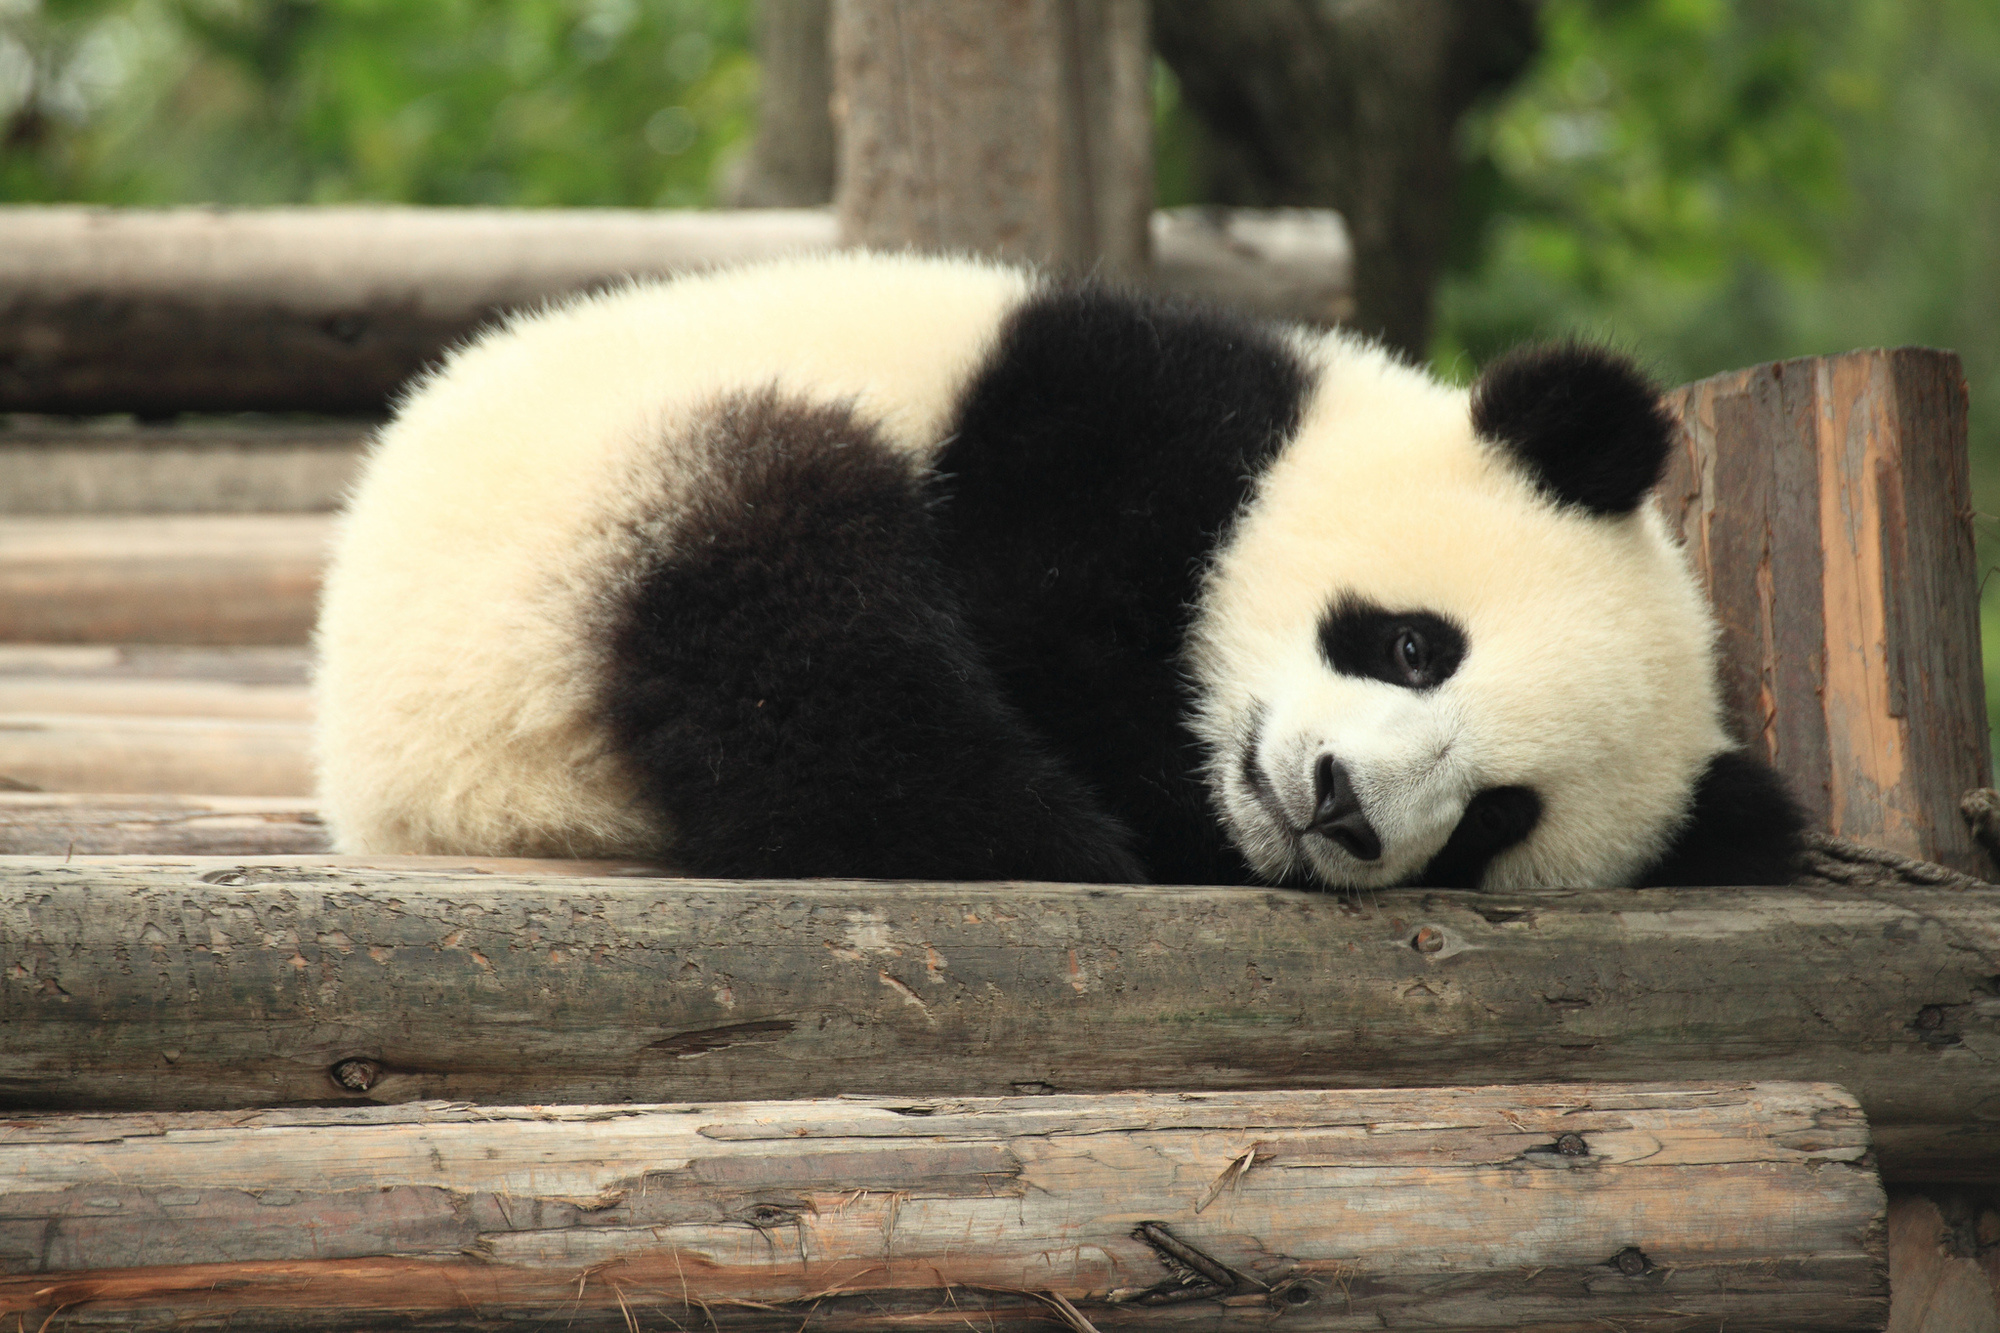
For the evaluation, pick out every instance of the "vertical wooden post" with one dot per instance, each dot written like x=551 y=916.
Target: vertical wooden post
x=790 y=163
x=1826 y=503
x=1020 y=128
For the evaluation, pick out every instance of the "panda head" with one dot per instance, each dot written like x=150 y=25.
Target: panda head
x=1450 y=642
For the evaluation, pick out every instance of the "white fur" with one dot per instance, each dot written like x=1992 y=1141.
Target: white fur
x=461 y=633
x=1588 y=675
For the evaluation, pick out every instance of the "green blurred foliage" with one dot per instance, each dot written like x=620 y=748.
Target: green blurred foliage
x=319 y=101
x=1715 y=184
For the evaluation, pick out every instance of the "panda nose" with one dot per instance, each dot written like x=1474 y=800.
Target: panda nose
x=1337 y=811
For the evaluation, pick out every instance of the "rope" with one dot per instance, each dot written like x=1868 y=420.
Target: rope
x=1831 y=861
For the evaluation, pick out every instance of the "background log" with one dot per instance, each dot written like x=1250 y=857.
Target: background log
x=1021 y=130
x=1637 y=1207
x=790 y=160
x=171 y=578
x=1826 y=503
x=118 y=468
x=64 y=824
x=331 y=309
x=126 y=986
x=1944 y=1262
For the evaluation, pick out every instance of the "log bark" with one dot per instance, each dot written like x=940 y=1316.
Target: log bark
x=790 y=162
x=172 y=579
x=1944 y=1262
x=1352 y=106
x=1827 y=505
x=332 y=309
x=1020 y=130
x=108 y=468
x=132 y=986
x=1637 y=1207
x=63 y=824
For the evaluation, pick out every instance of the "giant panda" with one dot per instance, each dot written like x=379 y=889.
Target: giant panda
x=920 y=568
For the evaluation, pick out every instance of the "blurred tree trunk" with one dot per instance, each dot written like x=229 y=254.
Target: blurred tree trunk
x=790 y=163
x=1350 y=104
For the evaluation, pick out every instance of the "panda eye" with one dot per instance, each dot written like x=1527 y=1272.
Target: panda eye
x=1417 y=650
x=1412 y=654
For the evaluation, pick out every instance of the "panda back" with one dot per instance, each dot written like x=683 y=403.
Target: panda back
x=504 y=515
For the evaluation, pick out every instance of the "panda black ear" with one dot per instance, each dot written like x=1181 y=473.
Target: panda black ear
x=1584 y=422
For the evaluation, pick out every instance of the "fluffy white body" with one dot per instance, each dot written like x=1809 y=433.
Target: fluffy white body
x=461 y=637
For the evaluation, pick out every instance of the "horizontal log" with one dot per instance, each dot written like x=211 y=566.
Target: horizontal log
x=331 y=309
x=182 y=578
x=257 y=664
x=139 y=696
x=227 y=984
x=118 y=468
x=58 y=752
x=1558 y=1208
x=65 y=824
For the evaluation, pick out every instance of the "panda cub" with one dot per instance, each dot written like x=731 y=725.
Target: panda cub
x=920 y=568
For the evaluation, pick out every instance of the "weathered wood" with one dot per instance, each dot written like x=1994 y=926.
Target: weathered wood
x=171 y=578
x=128 y=986
x=790 y=160
x=331 y=309
x=117 y=468
x=57 y=752
x=258 y=664
x=1826 y=503
x=1944 y=1271
x=1637 y=1207
x=1022 y=130
x=63 y=824
x=140 y=696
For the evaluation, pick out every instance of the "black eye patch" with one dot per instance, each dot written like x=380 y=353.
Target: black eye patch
x=1413 y=649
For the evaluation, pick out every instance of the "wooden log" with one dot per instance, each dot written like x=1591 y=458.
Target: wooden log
x=1944 y=1263
x=138 y=696
x=117 y=468
x=260 y=664
x=65 y=824
x=790 y=160
x=1827 y=504
x=1557 y=1208
x=124 y=986
x=179 y=578
x=57 y=752
x=331 y=309
x=1020 y=130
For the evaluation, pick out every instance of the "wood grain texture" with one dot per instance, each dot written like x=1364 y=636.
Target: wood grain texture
x=1827 y=505
x=1021 y=130
x=71 y=752
x=64 y=824
x=176 y=579
x=331 y=309
x=1944 y=1263
x=229 y=984
x=105 y=468
x=1639 y=1207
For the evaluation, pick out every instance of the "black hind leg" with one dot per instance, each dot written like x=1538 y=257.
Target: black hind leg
x=796 y=689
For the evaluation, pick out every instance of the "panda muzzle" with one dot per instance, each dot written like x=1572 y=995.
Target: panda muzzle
x=1337 y=813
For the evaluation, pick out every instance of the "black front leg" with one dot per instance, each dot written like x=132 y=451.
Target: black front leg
x=798 y=690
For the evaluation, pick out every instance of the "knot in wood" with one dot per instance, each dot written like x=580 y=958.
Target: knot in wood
x=1572 y=1145
x=1930 y=1018
x=1631 y=1262
x=1428 y=940
x=355 y=1075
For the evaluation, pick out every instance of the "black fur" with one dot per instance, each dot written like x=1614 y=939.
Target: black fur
x=1359 y=638
x=797 y=691
x=1494 y=820
x=1744 y=828
x=1095 y=463
x=1585 y=423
